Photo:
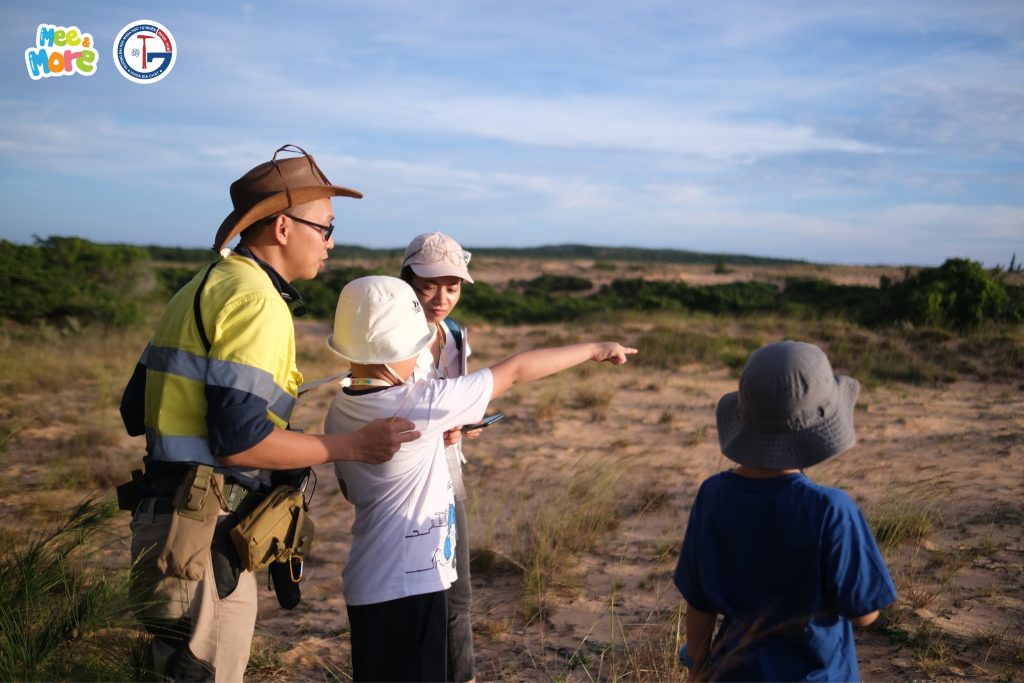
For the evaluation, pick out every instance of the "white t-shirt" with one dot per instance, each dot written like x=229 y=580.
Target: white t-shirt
x=403 y=536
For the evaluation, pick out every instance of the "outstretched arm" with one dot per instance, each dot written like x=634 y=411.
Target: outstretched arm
x=533 y=365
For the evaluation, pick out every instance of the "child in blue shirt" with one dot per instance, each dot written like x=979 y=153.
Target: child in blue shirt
x=790 y=565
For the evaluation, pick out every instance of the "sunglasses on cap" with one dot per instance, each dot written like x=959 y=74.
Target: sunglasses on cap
x=435 y=254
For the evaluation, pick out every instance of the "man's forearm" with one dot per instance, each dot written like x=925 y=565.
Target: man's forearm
x=283 y=449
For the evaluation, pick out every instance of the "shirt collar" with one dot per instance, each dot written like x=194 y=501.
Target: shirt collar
x=290 y=295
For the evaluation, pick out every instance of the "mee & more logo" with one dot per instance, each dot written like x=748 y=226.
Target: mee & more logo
x=61 y=51
x=144 y=51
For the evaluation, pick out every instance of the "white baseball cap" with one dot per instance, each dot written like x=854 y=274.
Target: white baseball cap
x=435 y=254
x=379 y=320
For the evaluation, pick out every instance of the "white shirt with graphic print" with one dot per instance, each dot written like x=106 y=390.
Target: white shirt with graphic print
x=403 y=536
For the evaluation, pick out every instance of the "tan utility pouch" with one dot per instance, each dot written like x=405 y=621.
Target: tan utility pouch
x=280 y=527
x=197 y=503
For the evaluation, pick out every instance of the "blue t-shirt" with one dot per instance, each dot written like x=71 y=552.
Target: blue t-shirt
x=786 y=561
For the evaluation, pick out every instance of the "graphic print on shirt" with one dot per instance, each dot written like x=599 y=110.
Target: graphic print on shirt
x=428 y=547
x=449 y=540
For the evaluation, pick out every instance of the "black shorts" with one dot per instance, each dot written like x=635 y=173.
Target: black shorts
x=400 y=640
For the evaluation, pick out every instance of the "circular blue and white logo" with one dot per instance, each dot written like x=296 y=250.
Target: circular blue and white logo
x=144 y=51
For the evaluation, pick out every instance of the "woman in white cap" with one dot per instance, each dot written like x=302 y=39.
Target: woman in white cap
x=436 y=266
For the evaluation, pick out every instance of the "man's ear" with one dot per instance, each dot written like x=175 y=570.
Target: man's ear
x=280 y=229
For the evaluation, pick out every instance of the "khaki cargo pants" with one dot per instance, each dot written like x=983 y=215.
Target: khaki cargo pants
x=202 y=636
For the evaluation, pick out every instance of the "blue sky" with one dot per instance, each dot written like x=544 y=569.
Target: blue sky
x=849 y=132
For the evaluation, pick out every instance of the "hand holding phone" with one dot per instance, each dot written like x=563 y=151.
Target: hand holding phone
x=486 y=422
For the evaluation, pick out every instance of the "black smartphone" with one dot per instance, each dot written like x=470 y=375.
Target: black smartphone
x=486 y=422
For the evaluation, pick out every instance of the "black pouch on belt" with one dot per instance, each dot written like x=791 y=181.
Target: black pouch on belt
x=286 y=577
x=226 y=565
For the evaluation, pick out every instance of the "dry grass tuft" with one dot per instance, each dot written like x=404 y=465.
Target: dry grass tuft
x=549 y=404
x=570 y=521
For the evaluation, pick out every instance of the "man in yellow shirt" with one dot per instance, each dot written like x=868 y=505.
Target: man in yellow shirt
x=216 y=386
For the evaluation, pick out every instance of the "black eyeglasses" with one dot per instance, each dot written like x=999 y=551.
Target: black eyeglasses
x=325 y=230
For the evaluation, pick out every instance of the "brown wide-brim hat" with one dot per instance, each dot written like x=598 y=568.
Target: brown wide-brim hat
x=275 y=186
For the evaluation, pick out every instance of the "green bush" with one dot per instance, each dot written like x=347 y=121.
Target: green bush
x=660 y=295
x=62 y=278
x=549 y=284
x=173 y=278
x=817 y=298
x=321 y=295
x=483 y=301
x=960 y=294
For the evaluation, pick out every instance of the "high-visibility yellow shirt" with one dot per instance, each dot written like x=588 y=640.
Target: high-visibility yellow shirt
x=199 y=406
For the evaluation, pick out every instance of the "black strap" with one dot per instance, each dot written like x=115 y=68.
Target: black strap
x=198 y=311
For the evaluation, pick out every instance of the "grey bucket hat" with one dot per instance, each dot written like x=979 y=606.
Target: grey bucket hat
x=790 y=412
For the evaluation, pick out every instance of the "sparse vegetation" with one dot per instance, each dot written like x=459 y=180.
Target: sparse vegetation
x=565 y=524
x=901 y=519
x=549 y=403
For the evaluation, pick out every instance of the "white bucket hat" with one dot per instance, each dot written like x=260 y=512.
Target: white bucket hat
x=379 y=320
x=790 y=411
x=435 y=254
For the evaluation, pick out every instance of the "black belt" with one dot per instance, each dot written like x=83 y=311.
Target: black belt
x=240 y=500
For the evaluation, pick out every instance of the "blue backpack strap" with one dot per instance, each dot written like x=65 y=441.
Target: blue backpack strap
x=456 y=331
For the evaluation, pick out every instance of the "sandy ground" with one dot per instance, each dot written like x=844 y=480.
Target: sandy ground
x=954 y=455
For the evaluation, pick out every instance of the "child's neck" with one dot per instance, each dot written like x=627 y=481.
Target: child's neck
x=761 y=472
x=372 y=376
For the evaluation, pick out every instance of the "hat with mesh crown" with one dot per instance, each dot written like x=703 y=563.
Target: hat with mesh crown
x=790 y=412
x=275 y=186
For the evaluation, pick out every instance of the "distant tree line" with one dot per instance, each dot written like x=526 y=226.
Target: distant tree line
x=958 y=295
x=66 y=278
x=556 y=251
x=631 y=254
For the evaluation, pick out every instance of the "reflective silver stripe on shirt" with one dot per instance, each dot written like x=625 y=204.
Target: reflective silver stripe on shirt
x=195 y=449
x=221 y=373
x=179 y=448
